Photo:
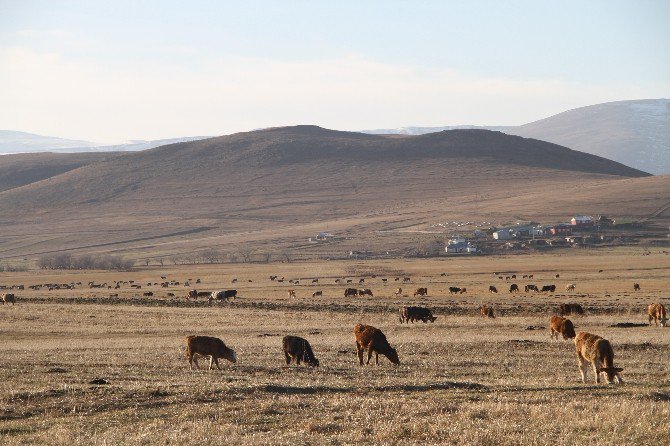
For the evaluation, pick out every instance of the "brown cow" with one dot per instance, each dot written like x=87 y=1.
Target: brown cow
x=562 y=326
x=208 y=346
x=8 y=298
x=421 y=292
x=398 y=292
x=485 y=311
x=658 y=314
x=636 y=287
x=373 y=340
x=317 y=293
x=365 y=292
x=493 y=289
x=412 y=314
x=291 y=294
x=298 y=349
x=598 y=351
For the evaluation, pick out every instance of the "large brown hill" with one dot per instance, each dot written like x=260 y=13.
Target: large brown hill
x=278 y=185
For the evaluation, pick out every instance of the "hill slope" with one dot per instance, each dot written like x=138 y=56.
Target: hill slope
x=635 y=133
x=279 y=184
x=21 y=169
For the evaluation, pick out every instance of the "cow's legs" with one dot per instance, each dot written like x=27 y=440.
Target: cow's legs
x=376 y=358
x=195 y=361
x=359 y=350
x=582 y=368
x=595 y=370
x=211 y=362
x=216 y=361
x=369 y=355
x=288 y=358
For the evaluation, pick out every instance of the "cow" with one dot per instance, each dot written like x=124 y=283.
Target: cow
x=562 y=326
x=571 y=287
x=398 y=292
x=558 y=275
x=350 y=292
x=206 y=294
x=514 y=288
x=549 y=288
x=373 y=340
x=385 y=280
x=223 y=295
x=8 y=298
x=636 y=287
x=493 y=289
x=411 y=314
x=566 y=309
x=148 y=294
x=658 y=314
x=421 y=292
x=463 y=290
x=315 y=280
x=298 y=349
x=361 y=281
x=454 y=290
x=365 y=292
x=291 y=294
x=317 y=293
x=531 y=287
x=513 y=276
x=598 y=351
x=485 y=311
x=530 y=276
x=208 y=346
x=406 y=279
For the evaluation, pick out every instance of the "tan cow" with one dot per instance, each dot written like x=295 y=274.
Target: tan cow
x=208 y=346
x=598 y=351
x=571 y=287
x=562 y=326
x=658 y=314
x=398 y=292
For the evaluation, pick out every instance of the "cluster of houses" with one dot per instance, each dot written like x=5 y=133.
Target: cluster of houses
x=578 y=223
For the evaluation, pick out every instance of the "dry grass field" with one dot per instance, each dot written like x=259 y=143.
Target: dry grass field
x=462 y=380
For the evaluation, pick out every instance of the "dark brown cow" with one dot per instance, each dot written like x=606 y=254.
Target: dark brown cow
x=493 y=289
x=548 y=288
x=597 y=351
x=658 y=314
x=421 y=292
x=298 y=349
x=223 y=295
x=317 y=293
x=531 y=287
x=636 y=287
x=350 y=292
x=373 y=340
x=412 y=314
x=208 y=346
x=562 y=326
x=454 y=290
x=365 y=292
x=8 y=298
x=514 y=288
x=566 y=309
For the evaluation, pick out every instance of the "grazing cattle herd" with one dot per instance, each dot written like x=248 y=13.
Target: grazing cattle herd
x=591 y=349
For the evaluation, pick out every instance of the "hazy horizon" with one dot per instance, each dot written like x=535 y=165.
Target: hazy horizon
x=126 y=71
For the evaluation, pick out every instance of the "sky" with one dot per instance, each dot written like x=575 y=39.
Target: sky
x=116 y=71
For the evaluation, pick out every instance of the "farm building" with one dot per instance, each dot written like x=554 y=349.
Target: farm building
x=460 y=245
x=503 y=234
x=582 y=220
x=517 y=232
x=560 y=229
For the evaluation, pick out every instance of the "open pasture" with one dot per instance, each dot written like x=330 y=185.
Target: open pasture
x=462 y=379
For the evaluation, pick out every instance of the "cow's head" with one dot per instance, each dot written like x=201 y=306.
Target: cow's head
x=664 y=322
x=313 y=362
x=432 y=318
x=392 y=354
x=611 y=373
x=229 y=354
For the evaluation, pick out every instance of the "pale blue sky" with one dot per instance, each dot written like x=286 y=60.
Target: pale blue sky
x=110 y=71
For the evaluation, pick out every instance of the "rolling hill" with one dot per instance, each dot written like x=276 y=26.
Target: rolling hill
x=274 y=187
x=635 y=133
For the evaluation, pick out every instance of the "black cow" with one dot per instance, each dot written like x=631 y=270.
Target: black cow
x=549 y=288
x=531 y=287
x=514 y=288
x=412 y=314
x=350 y=292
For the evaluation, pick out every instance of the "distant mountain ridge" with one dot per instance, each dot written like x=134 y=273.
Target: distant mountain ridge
x=635 y=133
x=13 y=142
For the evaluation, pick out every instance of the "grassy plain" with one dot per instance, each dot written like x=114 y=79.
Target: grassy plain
x=462 y=380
